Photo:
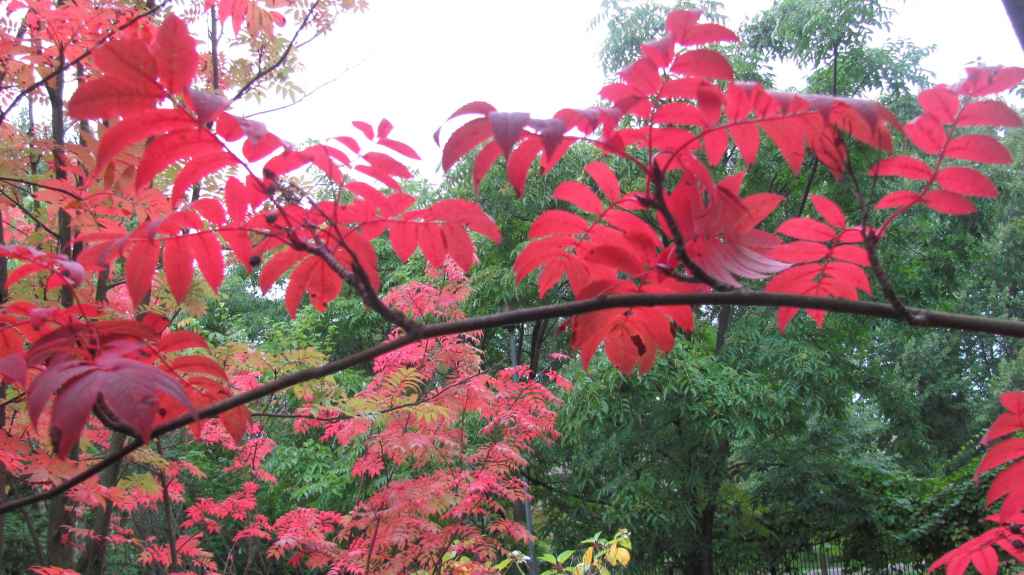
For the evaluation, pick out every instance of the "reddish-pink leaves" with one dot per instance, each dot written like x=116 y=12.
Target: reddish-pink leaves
x=903 y=167
x=940 y=102
x=926 y=133
x=989 y=113
x=131 y=71
x=978 y=148
x=987 y=81
x=966 y=181
x=175 y=53
x=118 y=382
x=108 y=98
x=440 y=231
x=830 y=257
x=703 y=63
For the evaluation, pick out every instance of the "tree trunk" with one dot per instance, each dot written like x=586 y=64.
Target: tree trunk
x=707 y=540
x=59 y=553
x=95 y=555
x=521 y=511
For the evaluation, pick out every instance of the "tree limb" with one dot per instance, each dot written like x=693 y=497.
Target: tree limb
x=922 y=318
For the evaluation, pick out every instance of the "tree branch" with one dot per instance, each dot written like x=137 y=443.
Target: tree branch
x=284 y=55
x=922 y=318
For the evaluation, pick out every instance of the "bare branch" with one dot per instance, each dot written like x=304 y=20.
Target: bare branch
x=922 y=318
x=280 y=61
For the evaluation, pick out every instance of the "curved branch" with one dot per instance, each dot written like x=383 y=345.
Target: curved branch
x=284 y=56
x=922 y=318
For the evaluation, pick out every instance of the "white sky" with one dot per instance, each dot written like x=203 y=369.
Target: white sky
x=414 y=61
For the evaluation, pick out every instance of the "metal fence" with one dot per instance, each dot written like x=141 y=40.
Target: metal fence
x=823 y=559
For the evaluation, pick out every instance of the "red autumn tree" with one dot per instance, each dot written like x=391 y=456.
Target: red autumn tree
x=165 y=180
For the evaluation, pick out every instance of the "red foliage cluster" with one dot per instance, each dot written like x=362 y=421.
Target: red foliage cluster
x=443 y=441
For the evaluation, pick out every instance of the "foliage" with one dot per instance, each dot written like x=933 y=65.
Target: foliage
x=105 y=237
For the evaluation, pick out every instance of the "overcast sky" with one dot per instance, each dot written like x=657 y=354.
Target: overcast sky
x=414 y=61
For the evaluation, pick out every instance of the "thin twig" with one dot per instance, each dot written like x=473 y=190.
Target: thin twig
x=284 y=56
x=30 y=215
x=871 y=238
x=298 y=100
x=923 y=318
x=40 y=185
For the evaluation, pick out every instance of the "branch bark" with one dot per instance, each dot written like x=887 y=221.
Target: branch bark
x=922 y=318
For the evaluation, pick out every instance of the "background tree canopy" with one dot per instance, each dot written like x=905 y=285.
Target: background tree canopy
x=221 y=352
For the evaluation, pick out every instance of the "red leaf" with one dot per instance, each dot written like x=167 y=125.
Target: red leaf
x=178 y=267
x=580 y=196
x=999 y=454
x=966 y=182
x=237 y=199
x=137 y=128
x=280 y=262
x=197 y=169
x=707 y=34
x=799 y=252
x=170 y=148
x=384 y=128
x=208 y=255
x=606 y=180
x=986 y=561
x=109 y=98
x=139 y=267
x=198 y=364
x=853 y=254
x=128 y=389
x=128 y=61
x=990 y=80
x=365 y=128
x=478 y=107
x=403 y=239
x=899 y=199
x=679 y=113
x=790 y=138
x=642 y=76
x=926 y=133
x=1006 y=482
x=748 y=140
x=806 y=229
x=903 y=167
x=940 y=102
x=317 y=279
x=557 y=222
x=948 y=203
x=829 y=211
x=464 y=139
x=181 y=340
x=399 y=147
x=211 y=209
x=978 y=148
x=715 y=144
x=520 y=161
x=14 y=368
x=236 y=422
x=989 y=113
x=484 y=160
x=703 y=63
x=507 y=128
x=176 y=57
x=386 y=163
